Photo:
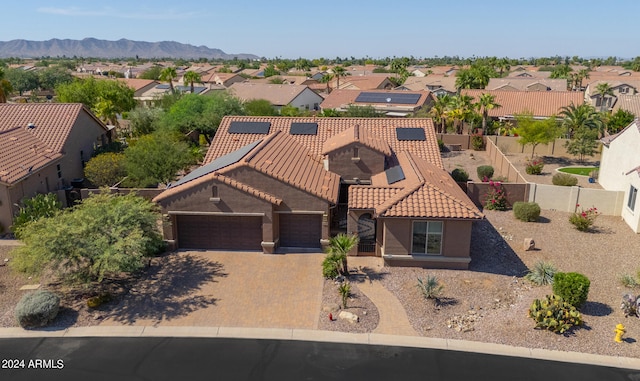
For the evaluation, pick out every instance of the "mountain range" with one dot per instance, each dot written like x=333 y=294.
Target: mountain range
x=123 y=48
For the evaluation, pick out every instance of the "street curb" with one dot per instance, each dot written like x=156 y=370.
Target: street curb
x=327 y=336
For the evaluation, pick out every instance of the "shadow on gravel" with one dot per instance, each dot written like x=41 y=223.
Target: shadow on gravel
x=491 y=254
x=67 y=317
x=595 y=309
x=165 y=290
x=543 y=220
x=366 y=274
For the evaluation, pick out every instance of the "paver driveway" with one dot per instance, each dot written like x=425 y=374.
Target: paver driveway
x=246 y=289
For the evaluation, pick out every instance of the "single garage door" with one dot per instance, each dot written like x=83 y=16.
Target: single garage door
x=300 y=230
x=219 y=232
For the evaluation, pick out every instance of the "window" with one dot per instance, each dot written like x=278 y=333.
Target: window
x=59 y=171
x=427 y=237
x=633 y=194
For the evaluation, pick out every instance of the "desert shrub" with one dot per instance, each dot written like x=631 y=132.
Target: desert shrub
x=35 y=208
x=37 y=309
x=572 y=287
x=584 y=219
x=554 y=314
x=564 y=179
x=460 y=175
x=526 y=211
x=98 y=300
x=344 y=289
x=534 y=166
x=441 y=145
x=628 y=281
x=106 y=169
x=630 y=305
x=477 y=142
x=542 y=273
x=496 y=197
x=331 y=265
x=430 y=287
x=484 y=171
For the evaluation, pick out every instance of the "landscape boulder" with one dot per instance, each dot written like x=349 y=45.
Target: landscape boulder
x=348 y=316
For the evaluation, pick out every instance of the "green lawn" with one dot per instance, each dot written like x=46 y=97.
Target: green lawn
x=582 y=171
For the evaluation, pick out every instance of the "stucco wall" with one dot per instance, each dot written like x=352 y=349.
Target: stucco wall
x=632 y=217
x=622 y=155
x=307 y=100
x=85 y=134
x=566 y=198
x=456 y=238
x=343 y=163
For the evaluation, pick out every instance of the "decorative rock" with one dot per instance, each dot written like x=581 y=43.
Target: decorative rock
x=333 y=307
x=348 y=316
x=529 y=244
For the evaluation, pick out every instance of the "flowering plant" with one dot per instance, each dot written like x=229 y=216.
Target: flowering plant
x=534 y=166
x=583 y=219
x=496 y=198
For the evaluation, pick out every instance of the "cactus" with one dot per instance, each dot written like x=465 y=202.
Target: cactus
x=554 y=314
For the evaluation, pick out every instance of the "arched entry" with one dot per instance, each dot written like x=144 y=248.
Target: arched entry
x=367 y=234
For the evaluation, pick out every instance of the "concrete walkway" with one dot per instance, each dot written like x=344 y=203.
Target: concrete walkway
x=393 y=318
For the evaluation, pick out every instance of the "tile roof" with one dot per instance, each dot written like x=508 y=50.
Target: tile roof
x=362 y=82
x=278 y=156
x=356 y=134
x=523 y=84
x=137 y=83
x=21 y=153
x=427 y=192
x=52 y=121
x=384 y=128
x=539 y=103
x=341 y=99
x=629 y=103
x=278 y=95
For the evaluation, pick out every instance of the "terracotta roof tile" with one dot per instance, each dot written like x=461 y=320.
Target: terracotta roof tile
x=427 y=191
x=21 y=153
x=356 y=134
x=278 y=95
x=384 y=128
x=629 y=103
x=539 y=103
x=523 y=84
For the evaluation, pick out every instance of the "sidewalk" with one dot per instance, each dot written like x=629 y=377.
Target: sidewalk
x=327 y=336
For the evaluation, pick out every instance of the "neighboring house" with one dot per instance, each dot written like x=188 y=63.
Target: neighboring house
x=141 y=87
x=391 y=102
x=542 y=104
x=437 y=84
x=618 y=87
x=620 y=170
x=153 y=94
x=222 y=79
x=528 y=74
x=287 y=80
x=364 y=82
x=43 y=147
x=277 y=184
x=527 y=84
x=630 y=103
x=299 y=96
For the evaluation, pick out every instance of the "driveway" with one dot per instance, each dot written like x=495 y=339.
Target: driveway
x=232 y=289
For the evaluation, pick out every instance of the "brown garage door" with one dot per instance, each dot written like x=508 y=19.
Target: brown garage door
x=300 y=230
x=219 y=232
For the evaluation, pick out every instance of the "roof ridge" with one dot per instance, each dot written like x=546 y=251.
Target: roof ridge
x=247 y=188
x=247 y=158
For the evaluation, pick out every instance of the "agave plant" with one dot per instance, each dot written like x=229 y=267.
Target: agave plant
x=430 y=287
x=542 y=273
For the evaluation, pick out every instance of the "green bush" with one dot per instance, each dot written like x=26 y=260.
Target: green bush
x=441 y=145
x=430 y=287
x=331 y=265
x=584 y=219
x=542 y=273
x=344 y=289
x=460 y=175
x=526 y=211
x=32 y=209
x=554 y=314
x=564 y=179
x=37 y=309
x=572 y=287
x=477 y=142
x=485 y=172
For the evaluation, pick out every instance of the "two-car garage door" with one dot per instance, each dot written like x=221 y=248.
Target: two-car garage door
x=219 y=232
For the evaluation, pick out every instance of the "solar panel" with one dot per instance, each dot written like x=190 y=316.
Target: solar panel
x=304 y=129
x=219 y=163
x=410 y=134
x=398 y=98
x=249 y=127
x=394 y=174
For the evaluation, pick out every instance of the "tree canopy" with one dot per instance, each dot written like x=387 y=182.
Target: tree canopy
x=534 y=132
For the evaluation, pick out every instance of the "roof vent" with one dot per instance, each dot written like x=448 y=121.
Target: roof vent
x=31 y=126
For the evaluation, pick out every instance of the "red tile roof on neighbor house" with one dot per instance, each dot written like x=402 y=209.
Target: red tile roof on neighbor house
x=359 y=135
x=278 y=95
x=425 y=191
x=33 y=135
x=539 y=103
x=280 y=157
x=384 y=128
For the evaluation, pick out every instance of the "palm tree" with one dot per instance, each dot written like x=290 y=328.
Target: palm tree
x=460 y=109
x=582 y=75
x=604 y=90
x=583 y=116
x=326 y=79
x=5 y=87
x=191 y=77
x=339 y=71
x=504 y=65
x=340 y=246
x=439 y=112
x=169 y=74
x=487 y=102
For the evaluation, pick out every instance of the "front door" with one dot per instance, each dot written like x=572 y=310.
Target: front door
x=366 y=235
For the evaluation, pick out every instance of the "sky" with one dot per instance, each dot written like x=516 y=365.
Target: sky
x=338 y=28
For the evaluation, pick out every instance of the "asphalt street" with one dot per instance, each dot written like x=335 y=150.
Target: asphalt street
x=167 y=358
